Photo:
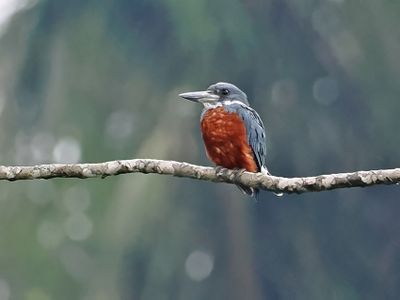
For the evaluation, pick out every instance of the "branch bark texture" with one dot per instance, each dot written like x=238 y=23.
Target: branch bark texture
x=179 y=169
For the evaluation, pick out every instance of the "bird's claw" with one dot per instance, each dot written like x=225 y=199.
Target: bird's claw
x=220 y=170
x=239 y=172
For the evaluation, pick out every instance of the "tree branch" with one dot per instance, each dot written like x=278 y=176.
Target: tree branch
x=259 y=180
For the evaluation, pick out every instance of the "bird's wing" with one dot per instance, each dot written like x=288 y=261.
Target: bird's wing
x=256 y=136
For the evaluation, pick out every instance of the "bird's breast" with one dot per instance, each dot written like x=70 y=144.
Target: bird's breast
x=225 y=139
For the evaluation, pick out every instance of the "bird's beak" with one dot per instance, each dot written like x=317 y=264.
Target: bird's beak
x=202 y=97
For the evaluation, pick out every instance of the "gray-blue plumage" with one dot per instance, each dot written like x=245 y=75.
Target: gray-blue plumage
x=255 y=131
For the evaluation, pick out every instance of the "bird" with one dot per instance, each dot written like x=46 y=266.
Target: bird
x=233 y=132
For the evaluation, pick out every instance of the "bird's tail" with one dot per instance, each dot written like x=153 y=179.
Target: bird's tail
x=252 y=192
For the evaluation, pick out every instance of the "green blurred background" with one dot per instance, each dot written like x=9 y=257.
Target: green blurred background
x=90 y=81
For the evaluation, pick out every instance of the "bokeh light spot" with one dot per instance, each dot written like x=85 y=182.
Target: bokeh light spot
x=346 y=49
x=50 y=234
x=41 y=146
x=33 y=149
x=78 y=226
x=67 y=150
x=199 y=265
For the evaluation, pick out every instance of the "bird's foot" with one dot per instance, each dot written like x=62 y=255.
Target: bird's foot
x=239 y=172
x=220 y=170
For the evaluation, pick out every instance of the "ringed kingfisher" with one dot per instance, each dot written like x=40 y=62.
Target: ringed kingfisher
x=233 y=132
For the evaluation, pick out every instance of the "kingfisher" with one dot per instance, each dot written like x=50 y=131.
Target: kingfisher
x=233 y=132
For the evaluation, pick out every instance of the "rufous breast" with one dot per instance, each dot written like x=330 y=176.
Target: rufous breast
x=225 y=139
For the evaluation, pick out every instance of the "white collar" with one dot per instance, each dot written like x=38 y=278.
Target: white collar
x=224 y=103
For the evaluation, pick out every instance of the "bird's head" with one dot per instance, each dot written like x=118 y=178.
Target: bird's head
x=217 y=94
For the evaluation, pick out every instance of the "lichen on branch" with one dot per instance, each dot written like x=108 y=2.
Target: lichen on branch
x=180 y=169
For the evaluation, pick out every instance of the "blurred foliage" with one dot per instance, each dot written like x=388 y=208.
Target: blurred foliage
x=98 y=80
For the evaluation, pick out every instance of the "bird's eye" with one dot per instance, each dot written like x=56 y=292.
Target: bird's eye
x=225 y=92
